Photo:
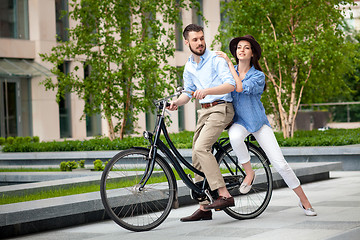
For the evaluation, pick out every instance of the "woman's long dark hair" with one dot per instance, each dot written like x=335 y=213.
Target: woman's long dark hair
x=255 y=62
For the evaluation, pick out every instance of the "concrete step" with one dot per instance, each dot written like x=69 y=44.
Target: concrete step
x=34 y=216
x=349 y=155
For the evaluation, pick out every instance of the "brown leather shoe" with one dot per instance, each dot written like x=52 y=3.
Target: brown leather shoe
x=221 y=203
x=198 y=215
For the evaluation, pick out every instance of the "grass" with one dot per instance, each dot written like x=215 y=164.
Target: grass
x=5 y=199
x=61 y=191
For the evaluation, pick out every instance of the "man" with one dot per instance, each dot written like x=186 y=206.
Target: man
x=210 y=80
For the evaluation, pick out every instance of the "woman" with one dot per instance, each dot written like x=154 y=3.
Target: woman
x=250 y=117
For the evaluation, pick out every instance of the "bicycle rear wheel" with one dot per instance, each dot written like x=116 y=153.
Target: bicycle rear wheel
x=254 y=203
x=129 y=206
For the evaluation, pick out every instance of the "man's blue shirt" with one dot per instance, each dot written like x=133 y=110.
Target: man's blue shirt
x=211 y=71
x=249 y=110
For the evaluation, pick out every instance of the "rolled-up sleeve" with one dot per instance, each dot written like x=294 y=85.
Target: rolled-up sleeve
x=188 y=82
x=254 y=84
x=224 y=72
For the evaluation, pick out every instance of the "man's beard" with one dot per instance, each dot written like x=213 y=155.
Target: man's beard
x=197 y=53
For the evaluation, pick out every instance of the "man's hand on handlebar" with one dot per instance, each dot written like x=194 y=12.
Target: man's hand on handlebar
x=172 y=106
x=182 y=99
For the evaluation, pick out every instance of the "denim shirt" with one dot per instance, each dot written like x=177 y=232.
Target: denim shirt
x=249 y=110
x=211 y=71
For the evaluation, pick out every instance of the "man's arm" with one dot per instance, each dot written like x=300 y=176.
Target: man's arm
x=218 y=90
x=182 y=100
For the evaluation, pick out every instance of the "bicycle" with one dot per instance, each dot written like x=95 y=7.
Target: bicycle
x=139 y=189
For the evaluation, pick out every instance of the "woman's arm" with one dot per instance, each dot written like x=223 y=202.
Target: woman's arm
x=238 y=81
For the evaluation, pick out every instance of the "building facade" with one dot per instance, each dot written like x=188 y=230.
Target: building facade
x=31 y=27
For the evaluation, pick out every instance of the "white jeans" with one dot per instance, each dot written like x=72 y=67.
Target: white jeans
x=266 y=139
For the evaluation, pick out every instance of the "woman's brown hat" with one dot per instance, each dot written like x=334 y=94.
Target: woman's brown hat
x=255 y=45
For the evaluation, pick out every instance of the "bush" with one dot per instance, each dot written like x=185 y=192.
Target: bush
x=331 y=137
x=19 y=140
x=10 y=140
x=81 y=163
x=99 y=165
x=68 y=166
x=2 y=141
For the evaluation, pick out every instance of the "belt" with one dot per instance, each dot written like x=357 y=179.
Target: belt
x=207 y=105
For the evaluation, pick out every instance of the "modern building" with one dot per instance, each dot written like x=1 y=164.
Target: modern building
x=29 y=28
x=353 y=17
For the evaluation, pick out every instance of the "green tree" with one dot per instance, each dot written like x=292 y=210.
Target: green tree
x=126 y=44
x=304 y=50
x=352 y=79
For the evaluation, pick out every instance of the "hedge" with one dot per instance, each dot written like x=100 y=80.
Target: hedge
x=331 y=137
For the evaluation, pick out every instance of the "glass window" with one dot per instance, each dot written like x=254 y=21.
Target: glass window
x=223 y=19
x=65 y=108
x=15 y=107
x=62 y=20
x=93 y=122
x=196 y=17
x=150 y=119
x=14 y=19
x=93 y=125
x=25 y=107
x=181 y=110
x=178 y=33
x=9 y=108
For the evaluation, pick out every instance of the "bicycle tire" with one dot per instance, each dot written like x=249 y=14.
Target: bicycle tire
x=131 y=208
x=254 y=203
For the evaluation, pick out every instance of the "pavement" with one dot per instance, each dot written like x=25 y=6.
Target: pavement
x=337 y=202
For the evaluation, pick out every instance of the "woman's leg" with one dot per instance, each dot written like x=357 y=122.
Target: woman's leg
x=237 y=134
x=249 y=173
x=303 y=199
x=266 y=139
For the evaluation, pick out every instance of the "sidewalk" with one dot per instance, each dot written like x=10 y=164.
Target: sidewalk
x=337 y=202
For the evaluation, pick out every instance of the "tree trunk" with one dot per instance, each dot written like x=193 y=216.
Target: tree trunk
x=111 y=128
x=126 y=111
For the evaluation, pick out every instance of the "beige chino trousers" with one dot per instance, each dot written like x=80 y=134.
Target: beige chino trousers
x=212 y=121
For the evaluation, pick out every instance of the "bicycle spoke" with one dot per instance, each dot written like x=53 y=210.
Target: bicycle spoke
x=255 y=202
x=129 y=206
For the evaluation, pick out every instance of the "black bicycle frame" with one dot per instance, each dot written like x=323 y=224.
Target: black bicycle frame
x=174 y=156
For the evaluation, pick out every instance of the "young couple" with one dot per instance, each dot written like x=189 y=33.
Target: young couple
x=229 y=93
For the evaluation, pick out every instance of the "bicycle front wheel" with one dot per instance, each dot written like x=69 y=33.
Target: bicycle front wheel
x=254 y=203
x=129 y=205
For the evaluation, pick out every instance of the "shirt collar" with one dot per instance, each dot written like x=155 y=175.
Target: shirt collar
x=202 y=57
x=249 y=72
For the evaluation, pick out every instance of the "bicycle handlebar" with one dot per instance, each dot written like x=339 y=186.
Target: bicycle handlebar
x=179 y=91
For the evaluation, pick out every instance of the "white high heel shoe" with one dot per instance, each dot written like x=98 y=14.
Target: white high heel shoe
x=245 y=188
x=309 y=211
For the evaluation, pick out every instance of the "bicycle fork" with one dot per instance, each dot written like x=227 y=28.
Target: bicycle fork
x=148 y=169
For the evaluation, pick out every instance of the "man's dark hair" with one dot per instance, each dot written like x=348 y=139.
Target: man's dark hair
x=192 y=28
